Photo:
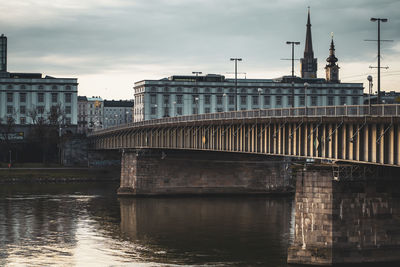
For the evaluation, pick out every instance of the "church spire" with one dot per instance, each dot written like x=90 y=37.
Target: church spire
x=308 y=50
x=332 y=69
x=308 y=63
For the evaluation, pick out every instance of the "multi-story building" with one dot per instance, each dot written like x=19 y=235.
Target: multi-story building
x=95 y=111
x=82 y=114
x=117 y=112
x=24 y=96
x=186 y=95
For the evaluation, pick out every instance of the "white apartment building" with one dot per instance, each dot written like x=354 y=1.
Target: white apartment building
x=117 y=112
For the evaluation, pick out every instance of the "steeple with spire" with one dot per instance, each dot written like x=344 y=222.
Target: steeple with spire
x=308 y=63
x=332 y=69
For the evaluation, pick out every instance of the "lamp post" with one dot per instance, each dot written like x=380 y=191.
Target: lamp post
x=292 y=94
x=379 y=54
x=236 y=60
x=306 y=85
x=197 y=105
x=156 y=111
x=225 y=102
x=259 y=97
x=369 y=78
x=292 y=43
x=174 y=112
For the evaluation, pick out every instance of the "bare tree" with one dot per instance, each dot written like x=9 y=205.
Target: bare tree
x=7 y=126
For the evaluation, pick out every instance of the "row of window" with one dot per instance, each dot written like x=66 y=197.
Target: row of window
x=259 y=90
x=40 y=109
x=255 y=100
x=40 y=87
x=40 y=97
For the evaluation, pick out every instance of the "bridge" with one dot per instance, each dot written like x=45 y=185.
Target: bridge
x=360 y=134
x=346 y=207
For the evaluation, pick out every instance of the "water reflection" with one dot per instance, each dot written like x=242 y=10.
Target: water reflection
x=210 y=230
x=86 y=225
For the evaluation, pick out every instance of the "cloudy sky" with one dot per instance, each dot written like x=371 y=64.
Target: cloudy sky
x=110 y=44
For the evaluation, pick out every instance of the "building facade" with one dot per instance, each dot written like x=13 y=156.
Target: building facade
x=186 y=95
x=117 y=112
x=24 y=96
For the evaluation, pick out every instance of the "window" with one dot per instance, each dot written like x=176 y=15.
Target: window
x=166 y=99
x=40 y=97
x=354 y=100
x=9 y=87
x=313 y=101
x=179 y=110
x=68 y=87
x=22 y=87
x=279 y=100
x=195 y=90
x=54 y=97
x=243 y=91
x=54 y=87
x=231 y=99
x=343 y=92
x=314 y=91
x=207 y=90
x=41 y=87
x=342 y=100
x=194 y=111
x=166 y=112
x=279 y=91
x=68 y=120
x=40 y=109
x=153 y=110
x=219 y=90
x=166 y=89
x=22 y=97
x=219 y=109
x=255 y=100
x=330 y=91
x=68 y=109
x=10 y=97
x=243 y=100
x=267 y=100
x=330 y=101
x=68 y=98
x=219 y=99
x=302 y=100
x=267 y=91
x=179 y=99
x=207 y=110
x=179 y=89
x=153 y=99
x=290 y=100
x=22 y=109
x=207 y=99
x=355 y=92
x=10 y=109
x=22 y=120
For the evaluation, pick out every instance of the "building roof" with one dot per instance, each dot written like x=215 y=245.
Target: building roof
x=82 y=98
x=118 y=103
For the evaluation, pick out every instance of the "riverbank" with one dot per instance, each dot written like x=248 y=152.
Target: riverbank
x=57 y=175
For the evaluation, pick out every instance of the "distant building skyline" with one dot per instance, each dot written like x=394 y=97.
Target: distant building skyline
x=97 y=41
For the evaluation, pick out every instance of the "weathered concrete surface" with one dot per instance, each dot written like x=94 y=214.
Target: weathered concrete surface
x=350 y=220
x=149 y=172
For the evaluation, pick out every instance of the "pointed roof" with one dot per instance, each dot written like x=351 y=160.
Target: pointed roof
x=308 y=50
x=332 y=59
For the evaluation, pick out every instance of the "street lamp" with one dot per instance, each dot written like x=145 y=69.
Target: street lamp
x=292 y=43
x=259 y=97
x=379 y=54
x=369 y=78
x=306 y=85
x=236 y=60
x=197 y=105
x=225 y=102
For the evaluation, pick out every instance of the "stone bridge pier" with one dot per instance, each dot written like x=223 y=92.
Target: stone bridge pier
x=346 y=214
x=174 y=172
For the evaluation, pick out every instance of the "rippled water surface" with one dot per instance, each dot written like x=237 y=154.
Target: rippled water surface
x=87 y=225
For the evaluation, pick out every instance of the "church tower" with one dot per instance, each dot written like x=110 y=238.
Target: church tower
x=308 y=63
x=332 y=69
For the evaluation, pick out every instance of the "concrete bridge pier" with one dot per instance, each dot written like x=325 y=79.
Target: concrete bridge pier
x=174 y=172
x=346 y=214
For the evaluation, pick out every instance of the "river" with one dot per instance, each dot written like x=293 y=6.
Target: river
x=86 y=224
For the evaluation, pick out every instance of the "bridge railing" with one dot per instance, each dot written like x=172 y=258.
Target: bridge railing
x=312 y=111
